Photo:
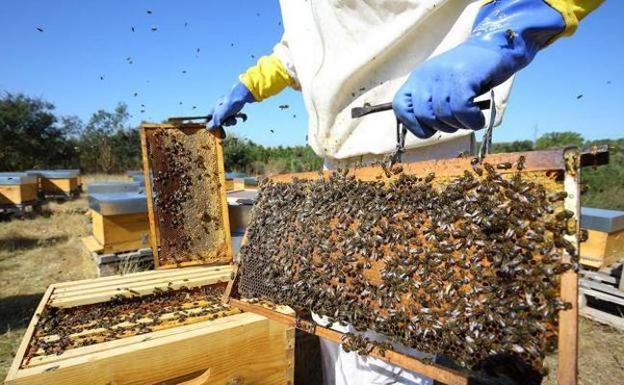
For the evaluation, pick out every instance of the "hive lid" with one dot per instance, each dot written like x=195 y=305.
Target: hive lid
x=113 y=187
x=607 y=221
x=186 y=195
x=15 y=178
x=118 y=203
x=54 y=174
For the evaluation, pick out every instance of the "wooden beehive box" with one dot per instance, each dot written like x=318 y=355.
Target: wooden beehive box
x=119 y=218
x=17 y=188
x=170 y=341
x=57 y=183
x=605 y=237
x=556 y=173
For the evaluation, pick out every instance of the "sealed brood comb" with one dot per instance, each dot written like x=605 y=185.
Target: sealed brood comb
x=473 y=262
x=185 y=186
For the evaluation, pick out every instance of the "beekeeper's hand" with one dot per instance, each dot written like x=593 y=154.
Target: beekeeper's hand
x=229 y=105
x=261 y=81
x=439 y=94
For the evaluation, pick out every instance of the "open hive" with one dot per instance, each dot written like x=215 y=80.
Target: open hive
x=472 y=262
x=154 y=327
x=186 y=195
x=66 y=323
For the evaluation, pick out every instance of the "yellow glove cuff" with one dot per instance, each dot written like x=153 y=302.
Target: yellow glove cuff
x=267 y=78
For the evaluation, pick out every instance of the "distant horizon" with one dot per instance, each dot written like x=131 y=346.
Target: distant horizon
x=192 y=58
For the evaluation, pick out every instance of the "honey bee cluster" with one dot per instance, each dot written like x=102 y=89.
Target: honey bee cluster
x=181 y=180
x=127 y=314
x=466 y=267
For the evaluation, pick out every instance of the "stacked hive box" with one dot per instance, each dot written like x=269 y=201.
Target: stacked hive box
x=57 y=183
x=120 y=227
x=605 y=237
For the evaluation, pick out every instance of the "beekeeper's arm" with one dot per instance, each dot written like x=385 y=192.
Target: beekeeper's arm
x=506 y=36
x=268 y=77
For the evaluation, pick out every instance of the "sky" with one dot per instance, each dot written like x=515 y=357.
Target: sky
x=88 y=58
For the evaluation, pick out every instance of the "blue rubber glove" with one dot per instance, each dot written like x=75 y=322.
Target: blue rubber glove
x=439 y=94
x=229 y=105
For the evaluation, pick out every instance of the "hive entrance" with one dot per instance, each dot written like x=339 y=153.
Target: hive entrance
x=467 y=266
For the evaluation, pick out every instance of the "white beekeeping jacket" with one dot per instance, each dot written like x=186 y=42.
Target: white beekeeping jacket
x=345 y=53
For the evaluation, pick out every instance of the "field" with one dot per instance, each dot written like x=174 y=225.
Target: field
x=37 y=252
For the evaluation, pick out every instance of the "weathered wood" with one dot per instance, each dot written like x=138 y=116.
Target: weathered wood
x=117 y=233
x=603 y=317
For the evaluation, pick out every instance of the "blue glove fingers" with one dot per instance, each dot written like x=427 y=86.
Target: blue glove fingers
x=443 y=109
x=403 y=109
x=424 y=105
x=465 y=111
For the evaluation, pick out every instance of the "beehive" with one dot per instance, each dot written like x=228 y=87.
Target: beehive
x=352 y=245
x=17 y=188
x=605 y=237
x=57 y=183
x=146 y=328
x=119 y=216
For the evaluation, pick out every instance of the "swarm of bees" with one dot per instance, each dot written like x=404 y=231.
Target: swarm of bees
x=466 y=267
x=184 y=179
x=126 y=314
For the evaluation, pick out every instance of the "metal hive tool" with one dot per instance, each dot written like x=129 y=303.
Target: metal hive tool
x=475 y=262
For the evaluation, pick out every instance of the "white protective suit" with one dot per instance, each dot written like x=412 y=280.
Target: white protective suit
x=344 y=53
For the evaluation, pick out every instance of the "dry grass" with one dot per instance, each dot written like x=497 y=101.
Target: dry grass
x=35 y=253
x=86 y=179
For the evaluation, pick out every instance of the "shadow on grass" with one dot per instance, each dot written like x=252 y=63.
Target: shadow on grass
x=18 y=242
x=16 y=311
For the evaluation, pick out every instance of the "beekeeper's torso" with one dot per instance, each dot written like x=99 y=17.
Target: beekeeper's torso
x=345 y=53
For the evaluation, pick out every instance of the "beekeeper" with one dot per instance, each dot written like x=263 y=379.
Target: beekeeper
x=431 y=58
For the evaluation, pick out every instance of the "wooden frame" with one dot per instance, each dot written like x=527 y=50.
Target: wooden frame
x=564 y=163
x=227 y=347
x=216 y=142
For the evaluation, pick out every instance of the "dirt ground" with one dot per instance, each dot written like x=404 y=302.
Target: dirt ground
x=37 y=252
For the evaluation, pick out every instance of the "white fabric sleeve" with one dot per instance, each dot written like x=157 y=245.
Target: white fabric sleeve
x=282 y=51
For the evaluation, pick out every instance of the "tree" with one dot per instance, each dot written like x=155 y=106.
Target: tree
x=30 y=136
x=558 y=140
x=515 y=146
x=101 y=147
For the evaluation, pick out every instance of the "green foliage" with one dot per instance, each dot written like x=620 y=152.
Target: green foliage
x=559 y=140
x=254 y=159
x=30 y=135
x=107 y=145
x=515 y=146
x=606 y=183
